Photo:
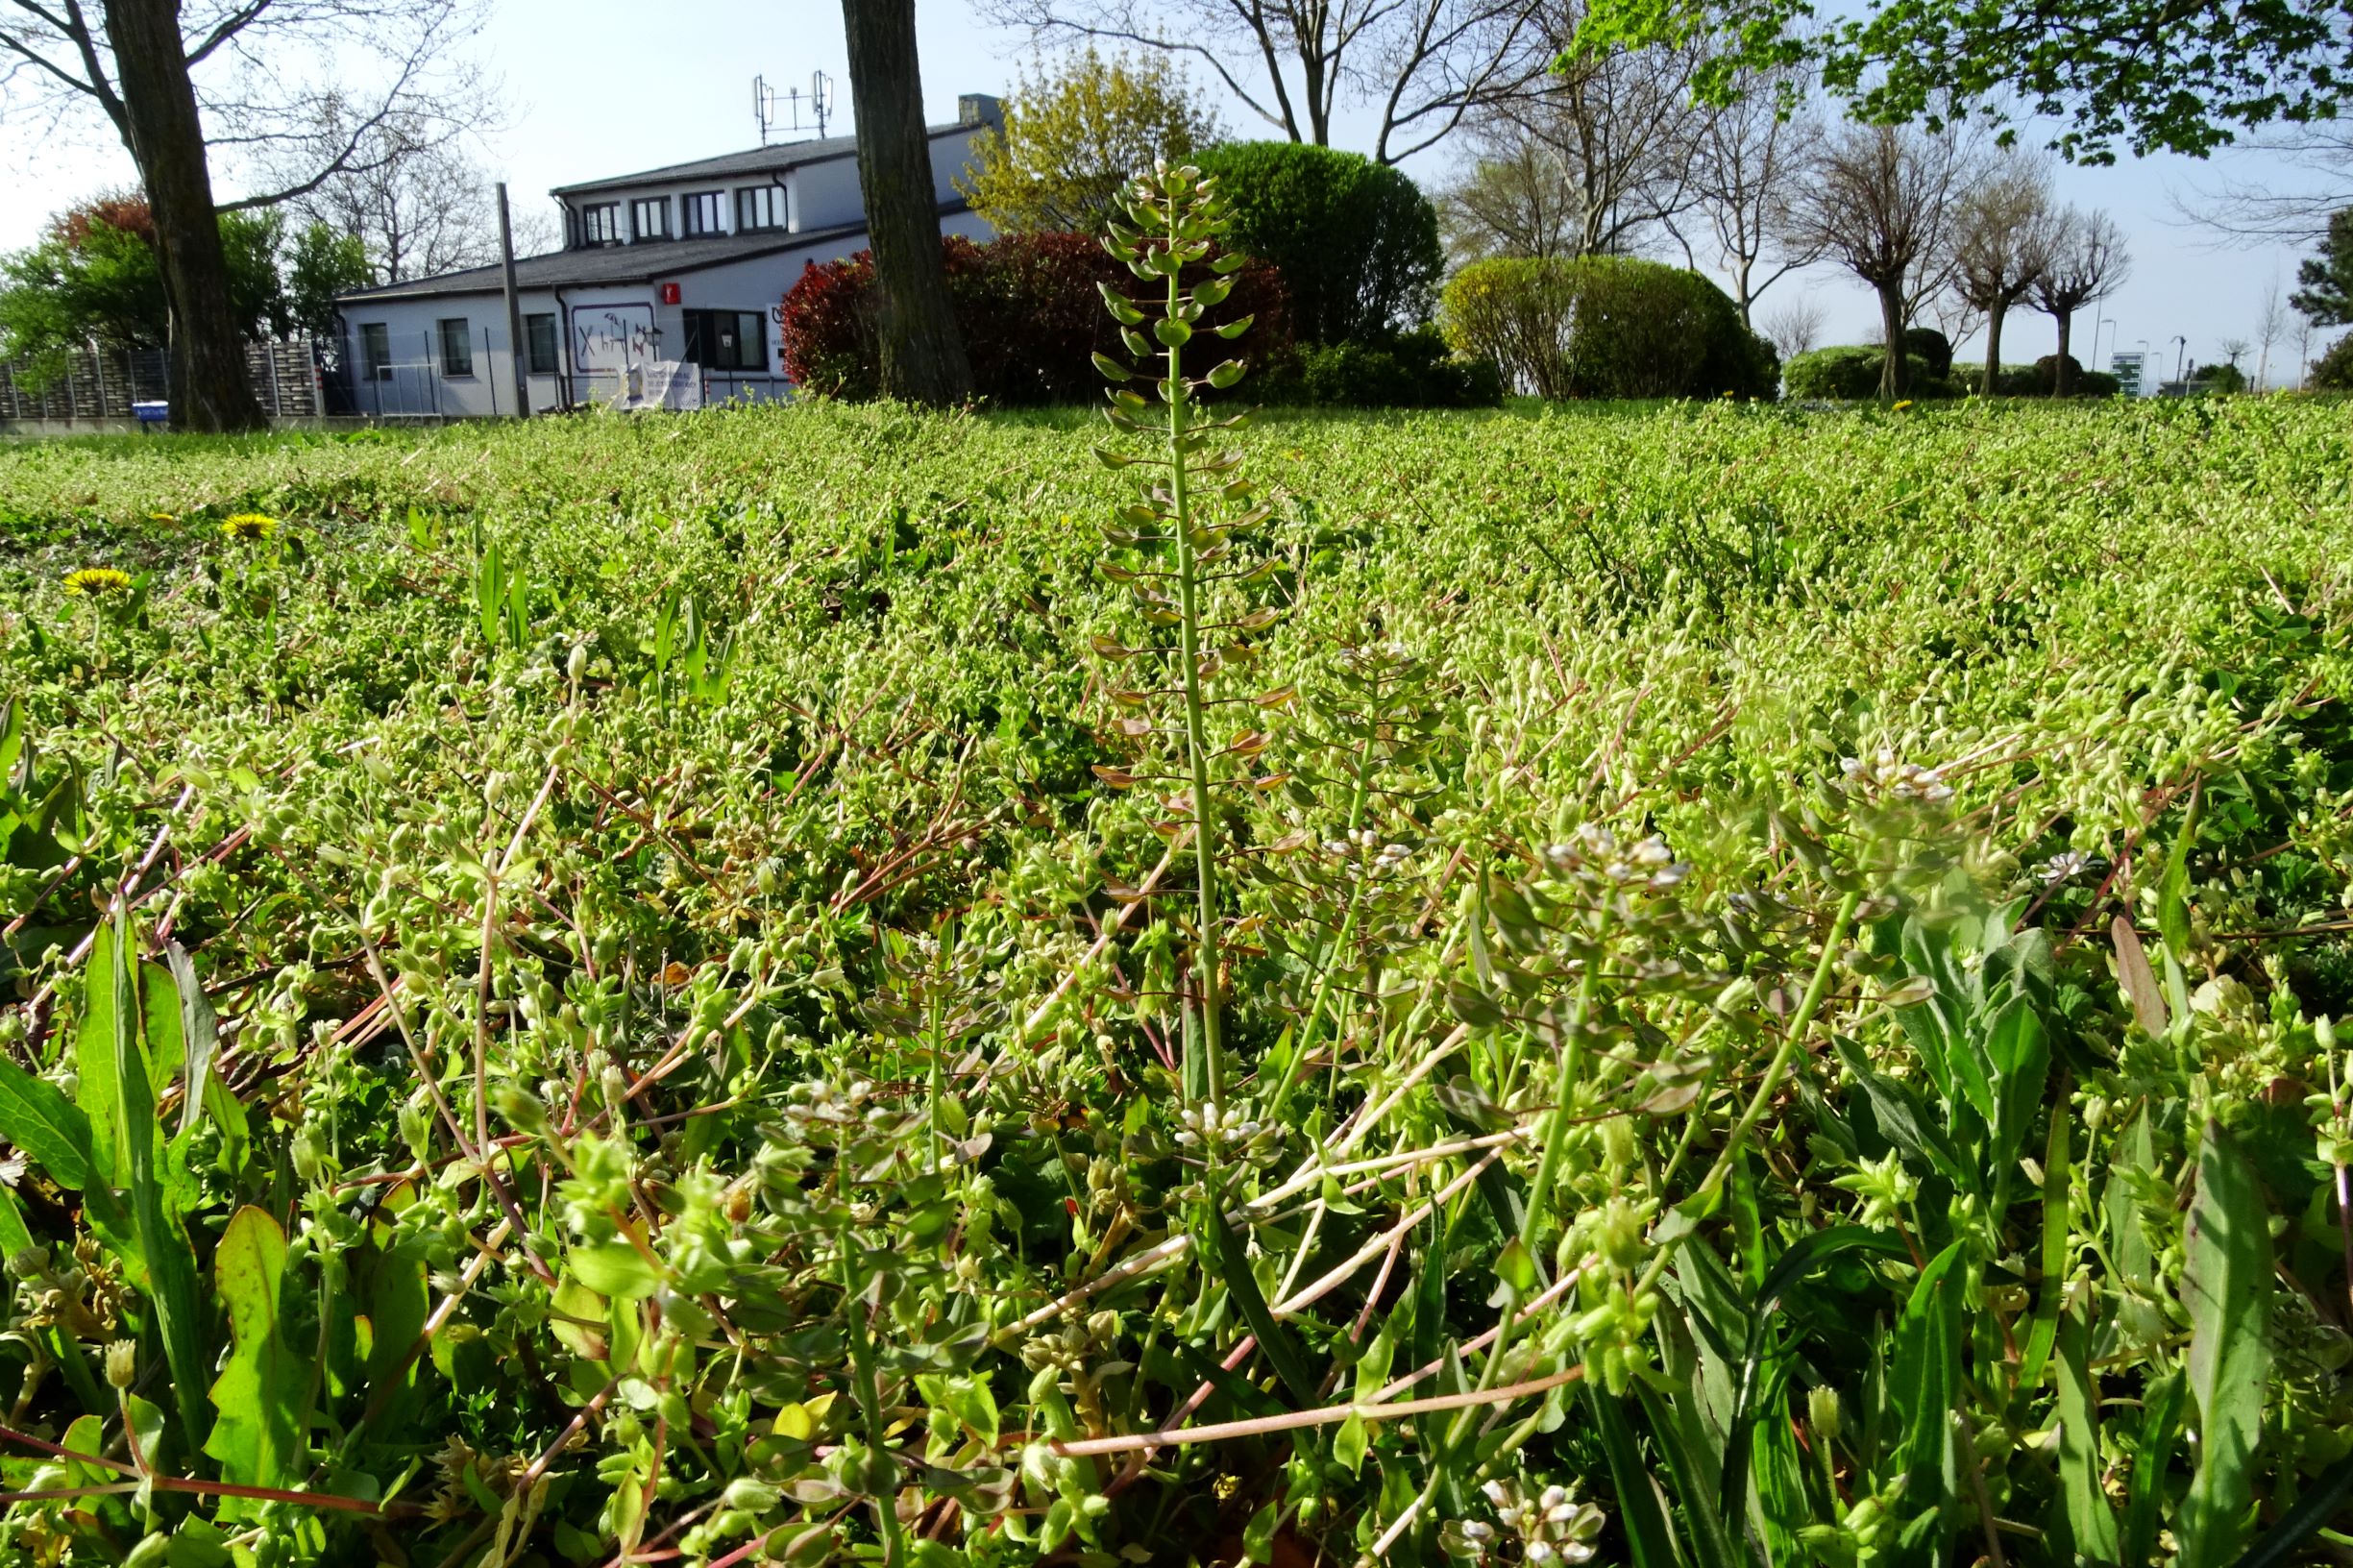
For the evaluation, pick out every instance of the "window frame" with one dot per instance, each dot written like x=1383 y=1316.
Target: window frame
x=596 y=217
x=532 y=364
x=375 y=351
x=702 y=330
x=442 y=343
x=745 y=197
x=639 y=207
x=692 y=202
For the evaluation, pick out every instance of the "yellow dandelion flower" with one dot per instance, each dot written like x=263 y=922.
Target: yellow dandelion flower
x=161 y=517
x=97 y=582
x=1902 y=405
x=250 y=525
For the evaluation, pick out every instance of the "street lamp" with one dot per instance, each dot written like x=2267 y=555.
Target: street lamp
x=2099 y=324
x=2142 y=343
x=2180 y=343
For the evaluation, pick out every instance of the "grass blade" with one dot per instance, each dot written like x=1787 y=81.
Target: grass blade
x=1649 y=1542
x=2227 y=1285
x=1233 y=1260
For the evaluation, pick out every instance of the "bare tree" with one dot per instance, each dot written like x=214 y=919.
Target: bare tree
x=1882 y=201
x=2087 y=263
x=413 y=197
x=1747 y=161
x=2275 y=205
x=2300 y=333
x=922 y=357
x=2271 y=326
x=161 y=72
x=1423 y=64
x=1795 y=327
x=1594 y=155
x=2002 y=246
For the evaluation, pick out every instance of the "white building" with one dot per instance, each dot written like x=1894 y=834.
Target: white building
x=669 y=289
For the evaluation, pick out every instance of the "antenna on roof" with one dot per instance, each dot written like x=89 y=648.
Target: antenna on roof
x=771 y=107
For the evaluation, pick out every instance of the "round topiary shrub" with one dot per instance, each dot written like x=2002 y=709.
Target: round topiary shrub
x=1851 y=372
x=1606 y=327
x=1356 y=242
x=1931 y=347
x=1412 y=370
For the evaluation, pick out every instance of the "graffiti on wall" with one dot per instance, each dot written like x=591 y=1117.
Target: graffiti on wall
x=611 y=337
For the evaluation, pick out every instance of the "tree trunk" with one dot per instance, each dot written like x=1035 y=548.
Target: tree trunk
x=1993 y=349
x=210 y=390
x=1891 y=320
x=2061 y=383
x=922 y=357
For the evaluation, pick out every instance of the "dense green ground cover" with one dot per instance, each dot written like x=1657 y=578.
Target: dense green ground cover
x=708 y=817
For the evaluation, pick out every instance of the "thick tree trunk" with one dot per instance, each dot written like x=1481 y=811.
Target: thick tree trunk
x=210 y=390
x=1993 y=349
x=923 y=353
x=2061 y=383
x=1891 y=320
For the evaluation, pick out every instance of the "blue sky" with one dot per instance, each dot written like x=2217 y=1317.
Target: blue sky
x=603 y=86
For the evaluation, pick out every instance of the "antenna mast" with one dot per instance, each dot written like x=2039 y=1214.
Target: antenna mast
x=772 y=108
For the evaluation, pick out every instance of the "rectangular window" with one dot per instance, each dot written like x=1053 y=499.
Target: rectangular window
x=375 y=351
x=759 y=207
x=649 y=218
x=600 y=225
x=539 y=345
x=705 y=212
x=456 y=345
x=726 y=339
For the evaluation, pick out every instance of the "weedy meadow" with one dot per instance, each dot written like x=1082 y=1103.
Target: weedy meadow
x=1691 y=986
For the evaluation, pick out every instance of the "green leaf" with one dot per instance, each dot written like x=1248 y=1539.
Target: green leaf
x=615 y=1269
x=1233 y=330
x=1112 y=369
x=1350 y=1443
x=198 y=1033
x=2226 y=1285
x=1924 y=1375
x=105 y=1003
x=1226 y=374
x=1671 y=1429
x=2019 y=1052
x=53 y=1132
x=1172 y=332
x=2090 y=1519
x=1258 y=1535
x=257 y=1438
x=1233 y=1262
x=1650 y=1543
x=2055 y=1161
x=2144 y=1497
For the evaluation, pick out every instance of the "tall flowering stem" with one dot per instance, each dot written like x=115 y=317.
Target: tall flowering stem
x=1175 y=216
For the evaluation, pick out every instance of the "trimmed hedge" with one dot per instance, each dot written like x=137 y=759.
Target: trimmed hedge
x=2039 y=379
x=1606 y=327
x=1850 y=372
x=1028 y=308
x=1356 y=242
x=1412 y=370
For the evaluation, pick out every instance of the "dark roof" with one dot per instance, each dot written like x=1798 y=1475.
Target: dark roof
x=775 y=159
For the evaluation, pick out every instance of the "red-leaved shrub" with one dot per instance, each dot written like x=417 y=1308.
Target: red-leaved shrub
x=1029 y=310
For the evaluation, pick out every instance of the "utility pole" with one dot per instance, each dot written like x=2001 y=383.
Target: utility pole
x=514 y=311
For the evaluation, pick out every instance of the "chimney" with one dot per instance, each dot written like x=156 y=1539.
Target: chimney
x=979 y=108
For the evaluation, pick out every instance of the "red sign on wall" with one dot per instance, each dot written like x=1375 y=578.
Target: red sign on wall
x=670 y=293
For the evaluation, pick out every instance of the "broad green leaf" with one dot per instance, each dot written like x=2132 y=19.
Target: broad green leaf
x=1924 y=1377
x=2146 y=1493
x=2090 y=1521
x=1649 y=1542
x=53 y=1132
x=256 y=1437
x=616 y=1270
x=2018 y=1053
x=198 y=1034
x=2226 y=1285
x=107 y=1002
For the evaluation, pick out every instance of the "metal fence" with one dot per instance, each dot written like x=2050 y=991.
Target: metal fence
x=101 y=384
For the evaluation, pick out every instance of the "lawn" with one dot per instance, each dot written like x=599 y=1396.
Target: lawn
x=618 y=986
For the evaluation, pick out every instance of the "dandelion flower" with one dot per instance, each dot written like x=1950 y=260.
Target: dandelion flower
x=250 y=525
x=1903 y=405
x=161 y=517
x=97 y=582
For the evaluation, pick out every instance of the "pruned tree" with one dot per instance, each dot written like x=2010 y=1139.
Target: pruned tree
x=1422 y=66
x=1795 y=327
x=1747 y=161
x=922 y=357
x=1882 y=201
x=257 y=70
x=2087 y=263
x=1076 y=133
x=1602 y=150
x=2004 y=236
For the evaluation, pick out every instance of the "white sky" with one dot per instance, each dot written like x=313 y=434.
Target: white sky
x=603 y=86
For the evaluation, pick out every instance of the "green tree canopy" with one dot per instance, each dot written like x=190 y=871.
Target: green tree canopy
x=1075 y=134
x=2327 y=279
x=1357 y=241
x=2147 y=74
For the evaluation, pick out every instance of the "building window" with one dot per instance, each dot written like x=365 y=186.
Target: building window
x=726 y=339
x=649 y=218
x=539 y=345
x=375 y=351
x=702 y=214
x=759 y=207
x=600 y=225
x=456 y=345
